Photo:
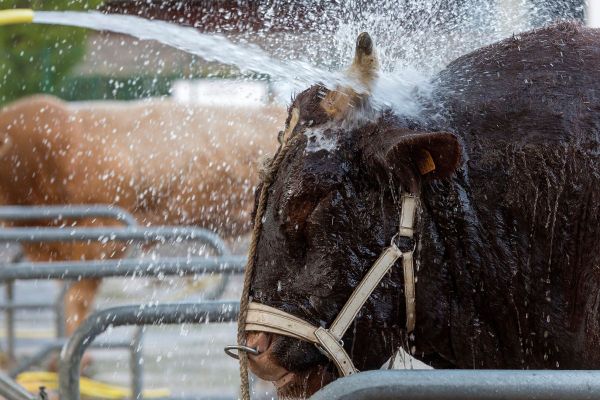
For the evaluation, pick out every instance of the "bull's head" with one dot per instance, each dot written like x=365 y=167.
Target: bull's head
x=331 y=209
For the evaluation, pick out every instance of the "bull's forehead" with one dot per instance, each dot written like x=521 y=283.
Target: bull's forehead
x=316 y=165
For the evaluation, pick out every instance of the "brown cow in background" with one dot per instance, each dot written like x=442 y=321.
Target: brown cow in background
x=166 y=163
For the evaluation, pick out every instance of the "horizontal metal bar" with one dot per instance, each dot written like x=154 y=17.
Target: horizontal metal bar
x=178 y=266
x=106 y=234
x=10 y=389
x=70 y=357
x=158 y=233
x=465 y=385
x=27 y=306
x=28 y=213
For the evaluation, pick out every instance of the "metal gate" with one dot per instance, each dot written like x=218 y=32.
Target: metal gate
x=222 y=263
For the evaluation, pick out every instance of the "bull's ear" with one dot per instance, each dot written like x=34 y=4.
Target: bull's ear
x=433 y=154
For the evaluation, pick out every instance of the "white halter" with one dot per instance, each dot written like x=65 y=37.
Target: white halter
x=329 y=341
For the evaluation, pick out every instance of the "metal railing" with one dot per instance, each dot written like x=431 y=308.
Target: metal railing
x=163 y=314
x=223 y=263
x=32 y=213
x=11 y=390
x=57 y=344
x=464 y=385
x=131 y=234
x=122 y=268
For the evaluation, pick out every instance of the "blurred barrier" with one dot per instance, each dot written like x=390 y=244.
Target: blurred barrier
x=171 y=266
x=28 y=213
x=31 y=213
x=110 y=234
x=10 y=390
x=464 y=385
x=163 y=314
x=222 y=263
x=57 y=344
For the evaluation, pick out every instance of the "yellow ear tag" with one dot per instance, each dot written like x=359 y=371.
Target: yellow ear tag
x=425 y=162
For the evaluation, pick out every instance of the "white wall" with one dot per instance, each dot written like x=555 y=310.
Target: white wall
x=220 y=92
x=592 y=15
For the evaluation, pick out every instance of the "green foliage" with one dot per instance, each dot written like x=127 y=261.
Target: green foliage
x=36 y=58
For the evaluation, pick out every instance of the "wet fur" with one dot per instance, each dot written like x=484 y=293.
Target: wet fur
x=508 y=262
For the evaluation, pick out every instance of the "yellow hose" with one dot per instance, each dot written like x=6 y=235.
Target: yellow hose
x=32 y=381
x=16 y=16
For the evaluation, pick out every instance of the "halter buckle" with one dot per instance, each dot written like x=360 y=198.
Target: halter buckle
x=322 y=350
x=404 y=243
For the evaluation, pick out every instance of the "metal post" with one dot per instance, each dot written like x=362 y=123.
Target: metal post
x=10 y=321
x=464 y=385
x=137 y=368
x=59 y=313
x=70 y=356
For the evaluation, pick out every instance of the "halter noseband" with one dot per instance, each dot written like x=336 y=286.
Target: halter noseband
x=264 y=318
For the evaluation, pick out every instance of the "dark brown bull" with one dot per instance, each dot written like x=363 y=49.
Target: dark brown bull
x=508 y=255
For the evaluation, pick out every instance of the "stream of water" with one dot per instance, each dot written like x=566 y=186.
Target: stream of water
x=414 y=41
x=248 y=58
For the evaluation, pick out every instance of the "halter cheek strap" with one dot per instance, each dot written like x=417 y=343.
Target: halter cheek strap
x=264 y=318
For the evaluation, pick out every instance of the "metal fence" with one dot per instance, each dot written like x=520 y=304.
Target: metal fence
x=10 y=390
x=223 y=263
x=464 y=385
x=57 y=213
x=164 y=314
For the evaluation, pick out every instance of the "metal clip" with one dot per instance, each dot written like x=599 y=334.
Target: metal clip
x=403 y=243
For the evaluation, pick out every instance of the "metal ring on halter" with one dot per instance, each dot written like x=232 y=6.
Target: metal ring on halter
x=229 y=350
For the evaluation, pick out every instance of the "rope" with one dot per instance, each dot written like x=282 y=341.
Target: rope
x=248 y=272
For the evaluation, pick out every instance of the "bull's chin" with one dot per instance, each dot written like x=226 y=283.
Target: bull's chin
x=300 y=385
